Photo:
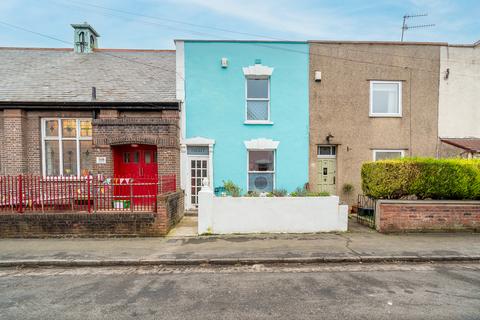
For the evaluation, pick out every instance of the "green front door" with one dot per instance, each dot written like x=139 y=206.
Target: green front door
x=326 y=175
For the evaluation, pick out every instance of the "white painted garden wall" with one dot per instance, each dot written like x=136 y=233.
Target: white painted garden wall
x=222 y=215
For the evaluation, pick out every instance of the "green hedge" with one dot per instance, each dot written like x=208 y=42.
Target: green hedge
x=421 y=177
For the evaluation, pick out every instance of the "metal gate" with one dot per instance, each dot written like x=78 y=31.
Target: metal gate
x=366 y=210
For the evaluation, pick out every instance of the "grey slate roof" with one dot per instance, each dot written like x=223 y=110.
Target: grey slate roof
x=60 y=75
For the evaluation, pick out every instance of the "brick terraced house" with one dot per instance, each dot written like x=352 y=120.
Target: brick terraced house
x=88 y=112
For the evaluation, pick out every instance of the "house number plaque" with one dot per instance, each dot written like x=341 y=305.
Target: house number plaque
x=101 y=160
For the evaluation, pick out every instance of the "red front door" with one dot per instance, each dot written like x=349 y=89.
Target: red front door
x=135 y=161
x=138 y=162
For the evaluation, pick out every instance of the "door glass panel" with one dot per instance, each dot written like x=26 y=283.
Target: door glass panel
x=126 y=157
x=148 y=157
x=136 y=157
x=69 y=128
x=198 y=170
x=197 y=150
x=69 y=157
x=325 y=151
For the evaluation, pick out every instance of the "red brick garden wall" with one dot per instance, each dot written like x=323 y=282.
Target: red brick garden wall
x=170 y=209
x=414 y=216
x=82 y=224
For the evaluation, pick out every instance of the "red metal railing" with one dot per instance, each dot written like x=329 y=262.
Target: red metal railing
x=92 y=193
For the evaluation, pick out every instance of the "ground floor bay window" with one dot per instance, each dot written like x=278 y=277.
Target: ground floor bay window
x=261 y=170
x=66 y=147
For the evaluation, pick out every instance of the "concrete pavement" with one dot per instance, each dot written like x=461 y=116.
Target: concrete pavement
x=356 y=246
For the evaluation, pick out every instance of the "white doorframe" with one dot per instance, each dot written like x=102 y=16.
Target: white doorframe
x=332 y=156
x=189 y=176
x=185 y=165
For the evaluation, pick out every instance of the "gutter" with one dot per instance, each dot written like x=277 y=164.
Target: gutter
x=87 y=105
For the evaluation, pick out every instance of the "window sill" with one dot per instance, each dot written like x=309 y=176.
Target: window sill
x=385 y=115
x=258 y=122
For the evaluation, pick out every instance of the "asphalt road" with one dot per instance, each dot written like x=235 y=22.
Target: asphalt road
x=393 y=291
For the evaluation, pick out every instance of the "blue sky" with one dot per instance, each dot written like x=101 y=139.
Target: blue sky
x=456 y=21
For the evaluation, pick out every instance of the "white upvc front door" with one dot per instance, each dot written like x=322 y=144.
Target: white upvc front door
x=196 y=164
x=197 y=171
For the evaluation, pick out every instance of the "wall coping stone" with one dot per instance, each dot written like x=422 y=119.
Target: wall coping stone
x=391 y=201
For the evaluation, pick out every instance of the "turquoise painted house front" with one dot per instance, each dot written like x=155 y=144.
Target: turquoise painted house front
x=244 y=114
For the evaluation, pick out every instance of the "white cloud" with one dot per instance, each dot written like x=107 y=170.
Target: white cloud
x=279 y=15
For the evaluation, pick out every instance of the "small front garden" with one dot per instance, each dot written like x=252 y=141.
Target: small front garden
x=422 y=178
x=229 y=210
x=233 y=190
x=408 y=195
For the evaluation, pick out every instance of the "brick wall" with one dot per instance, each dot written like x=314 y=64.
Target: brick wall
x=170 y=209
x=20 y=137
x=14 y=125
x=33 y=225
x=412 y=216
x=20 y=133
x=2 y=139
x=160 y=128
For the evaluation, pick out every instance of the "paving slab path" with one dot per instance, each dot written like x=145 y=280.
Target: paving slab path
x=355 y=246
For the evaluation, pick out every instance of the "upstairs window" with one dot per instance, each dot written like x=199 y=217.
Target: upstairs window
x=385 y=98
x=258 y=100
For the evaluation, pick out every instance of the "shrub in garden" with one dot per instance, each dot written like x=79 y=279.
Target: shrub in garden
x=422 y=177
x=304 y=192
x=278 y=193
x=232 y=189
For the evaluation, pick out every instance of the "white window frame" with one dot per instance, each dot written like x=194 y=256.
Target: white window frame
x=268 y=121
x=274 y=166
x=386 y=115
x=60 y=138
x=374 y=152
